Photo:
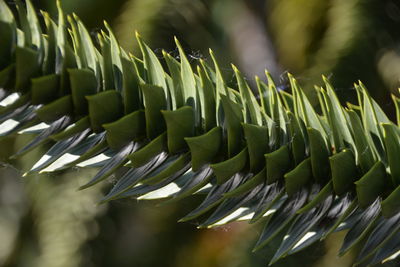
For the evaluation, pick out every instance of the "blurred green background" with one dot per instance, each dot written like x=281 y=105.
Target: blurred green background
x=46 y=222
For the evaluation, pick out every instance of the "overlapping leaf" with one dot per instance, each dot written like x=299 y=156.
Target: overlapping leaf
x=171 y=133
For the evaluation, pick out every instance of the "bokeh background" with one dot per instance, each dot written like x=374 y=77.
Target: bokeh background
x=46 y=222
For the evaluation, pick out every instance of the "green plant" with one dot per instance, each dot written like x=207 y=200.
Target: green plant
x=174 y=134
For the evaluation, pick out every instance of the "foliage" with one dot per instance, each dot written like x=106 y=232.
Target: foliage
x=271 y=158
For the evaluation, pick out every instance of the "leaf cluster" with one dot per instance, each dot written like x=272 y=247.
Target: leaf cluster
x=172 y=130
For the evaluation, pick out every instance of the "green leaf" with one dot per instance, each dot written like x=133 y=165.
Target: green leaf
x=207 y=97
x=226 y=169
x=68 y=62
x=344 y=171
x=392 y=142
x=278 y=163
x=126 y=129
x=251 y=108
x=365 y=156
x=34 y=25
x=391 y=204
x=116 y=63
x=45 y=88
x=154 y=102
x=131 y=93
x=7 y=76
x=380 y=114
x=6 y=14
x=146 y=153
x=187 y=76
x=371 y=124
x=221 y=89
x=180 y=124
x=204 y=148
x=278 y=115
x=288 y=100
x=49 y=59
x=265 y=96
x=396 y=102
x=61 y=41
x=233 y=120
x=298 y=177
x=106 y=62
x=56 y=109
x=30 y=25
x=104 y=107
x=319 y=155
x=337 y=120
x=188 y=83
x=177 y=94
x=26 y=67
x=8 y=41
x=371 y=185
x=257 y=144
x=154 y=69
x=87 y=48
x=83 y=83
x=298 y=139
x=305 y=110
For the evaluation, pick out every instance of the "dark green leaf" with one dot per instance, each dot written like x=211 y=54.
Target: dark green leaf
x=154 y=102
x=226 y=169
x=277 y=163
x=233 y=120
x=344 y=171
x=371 y=185
x=126 y=129
x=83 y=83
x=319 y=155
x=392 y=142
x=45 y=89
x=104 y=107
x=180 y=124
x=298 y=177
x=56 y=109
x=257 y=144
x=204 y=148
x=391 y=205
x=26 y=67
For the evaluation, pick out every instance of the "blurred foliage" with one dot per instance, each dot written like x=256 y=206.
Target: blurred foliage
x=344 y=39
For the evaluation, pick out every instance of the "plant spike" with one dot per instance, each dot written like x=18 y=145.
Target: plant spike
x=270 y=157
